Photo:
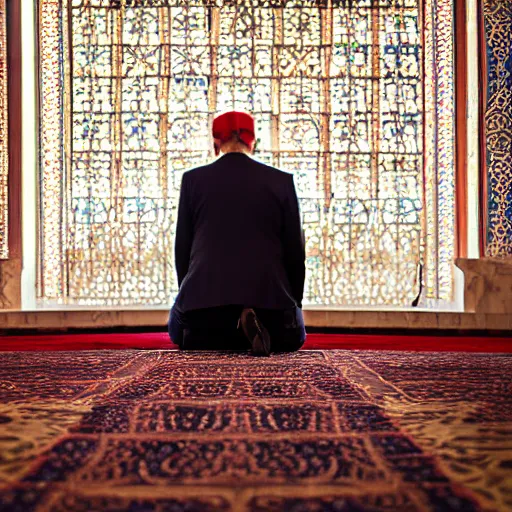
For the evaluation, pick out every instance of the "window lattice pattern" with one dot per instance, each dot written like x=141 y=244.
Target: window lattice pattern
x=4 y=129
x=346 y=95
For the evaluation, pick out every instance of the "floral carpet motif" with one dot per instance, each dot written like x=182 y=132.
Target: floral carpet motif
x=313 y=431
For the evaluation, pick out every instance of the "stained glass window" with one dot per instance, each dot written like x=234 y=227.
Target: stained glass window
x=4 y=128
x=355 y=98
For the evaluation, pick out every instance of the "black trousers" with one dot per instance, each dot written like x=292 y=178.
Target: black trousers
x=218 y=328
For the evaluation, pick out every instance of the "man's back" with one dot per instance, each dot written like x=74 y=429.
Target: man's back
x=239 y=238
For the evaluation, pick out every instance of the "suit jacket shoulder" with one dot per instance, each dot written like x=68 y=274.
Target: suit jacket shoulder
x=283 y=174
x=194 y=171
x=269 y=173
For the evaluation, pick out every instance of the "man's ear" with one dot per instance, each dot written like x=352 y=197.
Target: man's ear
x=216 y=147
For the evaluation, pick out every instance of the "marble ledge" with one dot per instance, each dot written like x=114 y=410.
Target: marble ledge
x=314 y=318
x=487 y=284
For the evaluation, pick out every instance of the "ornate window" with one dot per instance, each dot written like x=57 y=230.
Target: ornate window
x=355 y=97
x=4 y=129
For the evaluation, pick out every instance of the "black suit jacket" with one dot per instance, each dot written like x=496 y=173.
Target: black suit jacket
x=239 y=238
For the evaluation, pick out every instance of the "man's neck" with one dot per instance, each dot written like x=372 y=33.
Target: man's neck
x=234 y=147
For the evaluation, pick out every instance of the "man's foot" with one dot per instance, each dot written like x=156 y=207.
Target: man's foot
x=255 y=332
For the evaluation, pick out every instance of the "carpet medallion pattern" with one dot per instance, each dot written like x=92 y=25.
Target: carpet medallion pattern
x=313 y=431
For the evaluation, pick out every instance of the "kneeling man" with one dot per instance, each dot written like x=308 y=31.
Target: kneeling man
x=239 y=251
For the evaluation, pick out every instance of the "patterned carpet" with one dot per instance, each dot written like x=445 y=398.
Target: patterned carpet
x=314 y=431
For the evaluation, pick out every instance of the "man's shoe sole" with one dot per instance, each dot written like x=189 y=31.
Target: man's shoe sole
x=255 y=332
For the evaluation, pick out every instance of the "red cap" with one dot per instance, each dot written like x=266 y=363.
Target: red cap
x=233 y=123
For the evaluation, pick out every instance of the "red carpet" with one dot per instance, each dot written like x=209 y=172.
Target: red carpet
x=160 y=340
